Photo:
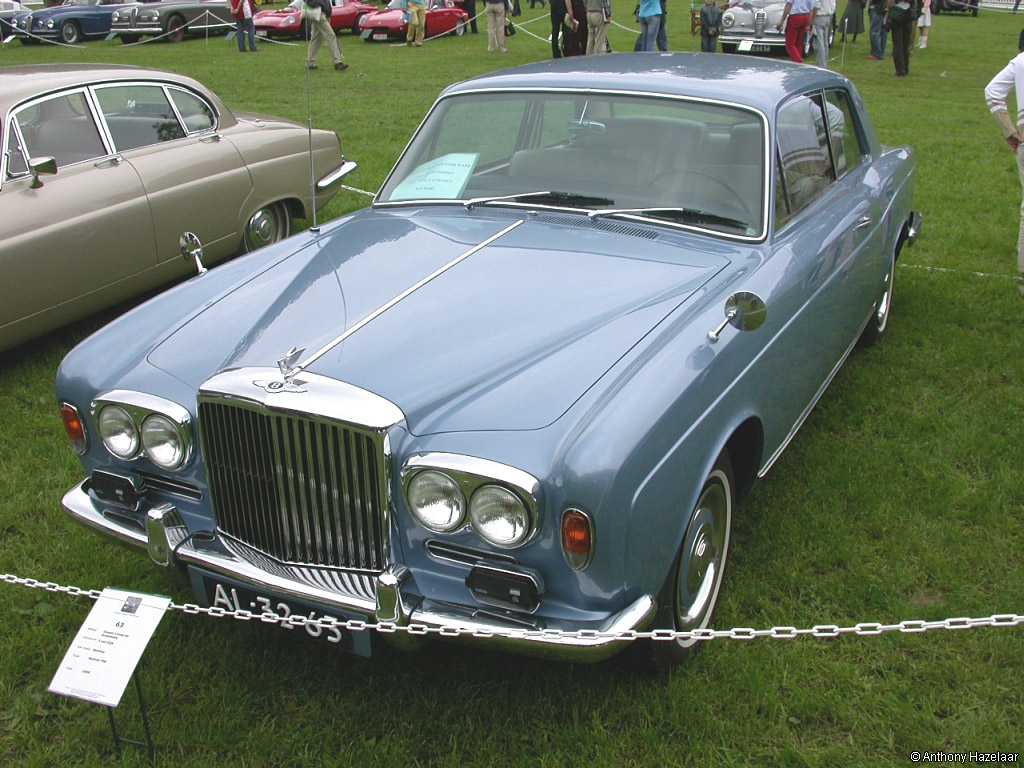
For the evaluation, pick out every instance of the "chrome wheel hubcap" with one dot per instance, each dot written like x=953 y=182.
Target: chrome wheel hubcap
x=703 y=556
x=265 y=227
x=885 y=303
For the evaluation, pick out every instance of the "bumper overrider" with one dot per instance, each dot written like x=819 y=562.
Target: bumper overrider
x=383 y=597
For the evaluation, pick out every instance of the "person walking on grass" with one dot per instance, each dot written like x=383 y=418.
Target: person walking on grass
x=852 y=22
x=876 y=12
x=561 y=15
x=650 y=23
x=495 y=10
x=416 y=11
x=1011 y=77
x=244 y=28
x=924 y=23
x=822 y=26
x=469 y=6
x=317 y=16
x=599 y=15
x=900 y=20
x=797 y=17
x=710 y=26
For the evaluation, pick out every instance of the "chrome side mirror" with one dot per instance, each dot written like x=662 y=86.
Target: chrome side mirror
x=41 y=166
x=744 y=311
x=191 y=249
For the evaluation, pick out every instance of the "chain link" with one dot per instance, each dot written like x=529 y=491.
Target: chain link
x=315 y=626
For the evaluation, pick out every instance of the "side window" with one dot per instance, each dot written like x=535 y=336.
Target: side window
x=16 y=165
x=138 y=115
x=194 y=111
x=61 y=128
x=803 y=147
x=842 y=126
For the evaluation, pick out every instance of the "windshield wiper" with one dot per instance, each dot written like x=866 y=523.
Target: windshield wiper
x=687 y=215
x=572 y=199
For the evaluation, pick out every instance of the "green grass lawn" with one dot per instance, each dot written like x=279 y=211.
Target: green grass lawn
x=901 y=498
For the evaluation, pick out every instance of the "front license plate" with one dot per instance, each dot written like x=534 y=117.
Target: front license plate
x=240 y=599
x=262 y=33
x=380 y=35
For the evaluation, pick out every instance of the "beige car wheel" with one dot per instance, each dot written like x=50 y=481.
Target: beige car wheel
x=268 y=225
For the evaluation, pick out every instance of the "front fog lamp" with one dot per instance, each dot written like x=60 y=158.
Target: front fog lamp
x=436 y=501
x=499 y=516
x=162 y=442
x=118 y=432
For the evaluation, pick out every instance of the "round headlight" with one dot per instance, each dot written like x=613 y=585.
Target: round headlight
x=499 y=516
x=118 y=432
x=436 y=501
x=162 y=441
x=49 y=23
x=728 y=20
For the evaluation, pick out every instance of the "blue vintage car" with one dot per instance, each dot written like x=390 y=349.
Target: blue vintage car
x=526 y=388
x=71 y=22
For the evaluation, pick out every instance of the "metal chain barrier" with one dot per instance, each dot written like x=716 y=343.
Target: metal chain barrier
x=315 y=626
x=204 y=15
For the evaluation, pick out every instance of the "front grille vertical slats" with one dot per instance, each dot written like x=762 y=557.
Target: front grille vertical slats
x=300 y=490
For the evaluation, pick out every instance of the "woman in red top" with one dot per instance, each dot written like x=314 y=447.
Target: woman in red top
x=242 y=11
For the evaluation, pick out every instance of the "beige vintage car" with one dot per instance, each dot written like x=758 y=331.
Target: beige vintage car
x=107 y=170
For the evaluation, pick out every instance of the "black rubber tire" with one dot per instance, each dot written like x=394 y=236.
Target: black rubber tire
x=70 y=33
x=728 y=48
x=879 y=322
x=129 y=39
x=279 y=218
x=177 y=23
x=355 y=24
x=661 y=656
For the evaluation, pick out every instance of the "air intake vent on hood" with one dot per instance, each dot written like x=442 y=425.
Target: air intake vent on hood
x=618 y=228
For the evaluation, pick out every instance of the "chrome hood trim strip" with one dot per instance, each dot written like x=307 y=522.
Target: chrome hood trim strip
x=403 y=295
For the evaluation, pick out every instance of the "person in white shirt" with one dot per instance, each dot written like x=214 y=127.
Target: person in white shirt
x=823 y=15
x=996 y=93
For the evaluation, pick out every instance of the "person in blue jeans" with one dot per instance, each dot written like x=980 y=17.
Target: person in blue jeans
x=650 y=23
x=662 y=40
x=876 y=11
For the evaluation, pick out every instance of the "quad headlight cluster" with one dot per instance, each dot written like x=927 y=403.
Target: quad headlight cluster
x=496 y=501
x=134 y=424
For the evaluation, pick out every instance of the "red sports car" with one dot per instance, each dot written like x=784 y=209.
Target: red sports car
x=443 y=16
x=287 y=22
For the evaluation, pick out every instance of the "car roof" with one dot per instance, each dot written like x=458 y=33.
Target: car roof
x=751 y=81
x=20 y=83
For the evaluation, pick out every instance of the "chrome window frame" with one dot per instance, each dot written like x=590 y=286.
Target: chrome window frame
x=97 y=114
x=11 y=120
x=797 y=214
x=766 y=174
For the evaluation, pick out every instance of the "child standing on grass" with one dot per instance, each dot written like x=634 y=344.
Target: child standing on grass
x=996 y=94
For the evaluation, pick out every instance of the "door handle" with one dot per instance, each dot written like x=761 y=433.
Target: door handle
x=110 y=162
x=863 y=221
x=213 y=138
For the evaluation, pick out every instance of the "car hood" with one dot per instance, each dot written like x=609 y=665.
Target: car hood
x=507 y=339
x=280 y=13
x=385 y=17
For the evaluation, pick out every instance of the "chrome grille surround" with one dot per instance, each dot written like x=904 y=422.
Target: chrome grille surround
x=299 y=470
x=760 y=22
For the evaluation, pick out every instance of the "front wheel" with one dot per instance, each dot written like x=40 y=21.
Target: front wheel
x=267 y=226
x=688 y=600
x=356 y=24
x=70 y=33
x=460 y=29
x=176 y=29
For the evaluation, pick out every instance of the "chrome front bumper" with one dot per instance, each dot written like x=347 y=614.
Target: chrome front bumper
x=376 y=598
x=736 y=39
x=157 y=30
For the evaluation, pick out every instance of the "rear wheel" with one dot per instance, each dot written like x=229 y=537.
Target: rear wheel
x=267 y=226
x=879 y=321
x=70 y=32
x=688 y=600
x=176 y=29
x=460 y=29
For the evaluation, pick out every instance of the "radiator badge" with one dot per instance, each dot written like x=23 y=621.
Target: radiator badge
x=274 y=386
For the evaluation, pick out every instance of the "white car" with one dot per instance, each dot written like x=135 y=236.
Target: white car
x=751 y=26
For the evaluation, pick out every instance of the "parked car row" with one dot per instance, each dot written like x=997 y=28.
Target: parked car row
x=524 y=391
x=77 y=21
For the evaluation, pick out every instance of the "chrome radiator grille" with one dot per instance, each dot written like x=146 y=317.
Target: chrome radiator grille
x=302 y=490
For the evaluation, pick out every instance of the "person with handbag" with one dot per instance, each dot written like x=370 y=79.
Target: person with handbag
x=317 y=17
x=574 y=40
x=495 y=11
x=561 y=15
x=710 y=26
x=899 y=20
x=244 y=28
x=599 y=15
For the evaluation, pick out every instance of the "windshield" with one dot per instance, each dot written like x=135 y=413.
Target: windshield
x=81 y=2
x=598 y=151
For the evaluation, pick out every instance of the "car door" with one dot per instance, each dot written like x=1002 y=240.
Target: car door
x=86 y=228
x=195 y=182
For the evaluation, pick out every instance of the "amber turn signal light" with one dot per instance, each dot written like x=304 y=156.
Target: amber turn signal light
x=73 y=426
x=577 y=538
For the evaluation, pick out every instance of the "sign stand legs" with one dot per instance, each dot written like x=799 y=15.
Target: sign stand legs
x=119 y=740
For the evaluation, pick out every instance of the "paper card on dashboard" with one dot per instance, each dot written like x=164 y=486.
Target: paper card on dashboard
x=442 y=178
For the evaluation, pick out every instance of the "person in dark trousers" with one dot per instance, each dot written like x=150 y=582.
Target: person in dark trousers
x=574 y=40
x=469 y=6
x=876 y=12
x=244 y=29
x=561 y=14
x=853 y=20
x=662 y=40
x=535 y=3
x=900 y=21
x=516 y=9
x=710 y=25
